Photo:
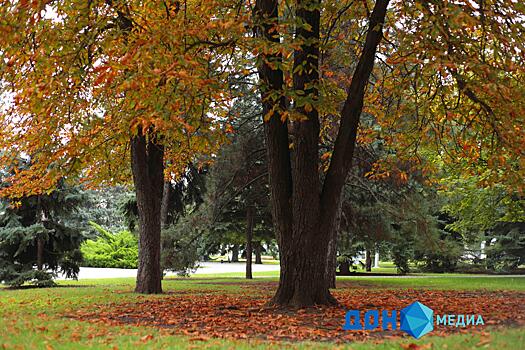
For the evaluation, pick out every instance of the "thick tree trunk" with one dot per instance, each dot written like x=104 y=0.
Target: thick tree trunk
x=148 y=176
x=258 y=253
x=303 y=281
x=235 y=253
x=276 y=136
x=304 y=218
x=249 y=237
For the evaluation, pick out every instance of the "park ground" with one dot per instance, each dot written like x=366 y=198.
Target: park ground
x=228 y=312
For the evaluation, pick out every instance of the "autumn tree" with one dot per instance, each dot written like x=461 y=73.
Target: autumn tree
x=91 y=87
x=451 y=77
x=304 y=210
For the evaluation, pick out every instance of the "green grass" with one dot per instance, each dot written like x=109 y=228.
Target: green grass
x=444 y=282
x=266 y=259
x=384 y=267
x=34 y=318
x=429 y=281
x=258 y=274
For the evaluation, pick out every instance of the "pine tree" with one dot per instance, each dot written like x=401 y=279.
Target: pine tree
x=507 y=251
x=36 y=241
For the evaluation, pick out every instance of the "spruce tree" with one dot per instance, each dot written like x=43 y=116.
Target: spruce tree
x=37 y=240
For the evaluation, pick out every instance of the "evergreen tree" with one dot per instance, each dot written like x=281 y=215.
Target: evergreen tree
x=507 y=251
x=36 y=241
x=104 y=207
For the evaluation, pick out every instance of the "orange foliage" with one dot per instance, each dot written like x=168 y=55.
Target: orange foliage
x=240 y=316
x=79 y=84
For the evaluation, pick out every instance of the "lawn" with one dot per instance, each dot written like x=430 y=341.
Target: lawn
x=78 y=315
x=266 y=259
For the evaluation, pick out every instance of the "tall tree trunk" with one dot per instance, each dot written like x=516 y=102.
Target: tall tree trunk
x=164 y=208
x=249 y=237
x=235 y=253
x=148 y=176
x=368 y=260
x=258 y=252
x=331 y=264
x=304 y=217
x=147 y=165
x=276 y=136
x=303 y=281
x=40 y=241
x=331 y=261
x=342 y=155
x=39 y=253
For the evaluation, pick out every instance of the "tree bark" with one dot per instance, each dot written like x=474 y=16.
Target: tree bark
x=235 y=253
x=331 y=261
x=331 y=264
x=40 y=253
x=302 y=246
x=258 y=253
x=344 y=147
x=344 y=268
x=249 y=237
x=276 y=136
x=148 y=176
x=304 y=216
x=368 y=260
x=164 y=208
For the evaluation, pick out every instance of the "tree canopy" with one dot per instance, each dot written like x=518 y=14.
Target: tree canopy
x=80 y=78
x=90 y=87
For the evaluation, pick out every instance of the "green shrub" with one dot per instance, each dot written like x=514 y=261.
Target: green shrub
x=116 y=250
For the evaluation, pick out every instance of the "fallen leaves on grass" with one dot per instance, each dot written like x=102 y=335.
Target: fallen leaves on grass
x=240 y=316
x=146 y=338
x=484 y=339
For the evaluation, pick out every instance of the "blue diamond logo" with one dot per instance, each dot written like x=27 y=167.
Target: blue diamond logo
x=417 y=319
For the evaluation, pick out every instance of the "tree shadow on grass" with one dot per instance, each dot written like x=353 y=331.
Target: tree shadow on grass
x=5 y=288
